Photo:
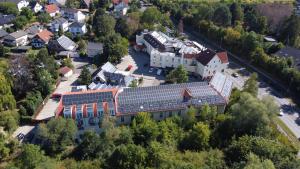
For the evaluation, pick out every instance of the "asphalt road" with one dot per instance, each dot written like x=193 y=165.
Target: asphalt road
x=237 y=65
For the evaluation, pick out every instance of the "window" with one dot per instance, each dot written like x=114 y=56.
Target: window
x=79 y=115
x=160 y=115
x=100 y=113
x=122 y=118
x=170 y=114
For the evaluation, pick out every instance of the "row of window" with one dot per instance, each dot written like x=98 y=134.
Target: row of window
x=79 y=115
x=160 y=115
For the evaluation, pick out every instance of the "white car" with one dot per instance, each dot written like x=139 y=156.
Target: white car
x=151 y=70
x=281 y=112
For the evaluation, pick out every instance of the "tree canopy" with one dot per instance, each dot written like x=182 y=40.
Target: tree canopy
x=178 y=75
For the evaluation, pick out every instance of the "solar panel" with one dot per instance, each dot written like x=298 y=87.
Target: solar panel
x=85 y=98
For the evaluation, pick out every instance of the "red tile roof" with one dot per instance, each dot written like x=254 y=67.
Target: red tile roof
x=64 y=70
x=51 y=8
x=223 y=57
x=45 y=35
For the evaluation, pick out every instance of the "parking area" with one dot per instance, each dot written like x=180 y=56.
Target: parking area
x=140 y=63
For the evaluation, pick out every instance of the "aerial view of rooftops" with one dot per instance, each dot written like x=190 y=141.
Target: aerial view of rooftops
x=132 y=84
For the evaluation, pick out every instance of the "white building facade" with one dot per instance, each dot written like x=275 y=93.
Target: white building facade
x=167 y=52
x=22 y=4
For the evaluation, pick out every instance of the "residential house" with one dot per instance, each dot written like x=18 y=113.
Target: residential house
x=18 y=38
x=6 y=20
x=41 y=39
x=3 y=33
x=20 y=3
x=36 y=7
x=57 y=2
x=59 y=24
x=290 y=52
x=88 y=108
x=63 y=43
x=65 y=71
x=94 y=49
x=77 y=29
x=168 y=52
x=120 y=7
x=52 y=9
x=33 y=30
x=73 y=15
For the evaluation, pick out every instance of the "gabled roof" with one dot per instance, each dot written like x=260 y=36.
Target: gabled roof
x=51 y=8
x=94 y=46
x=77 y=24
x=223 y=57
x=34 y=29
x=108 y=67
x=59 y=21
x=66 y=43
x=70 y=10
x=206 y=56
x=45 y=35
x=64 y=70
x=6 y=19
x=16 y=35
x=3 y=33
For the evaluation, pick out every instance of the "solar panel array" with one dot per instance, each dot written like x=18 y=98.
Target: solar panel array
x=85 y=98
x=166 y=97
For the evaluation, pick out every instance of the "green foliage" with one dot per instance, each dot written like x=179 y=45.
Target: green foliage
x=31 y=102
x=254 y=162
x=255 y=22
x=7 y=100
x=237 y=13
x=28 y=13
x=222 y=16
x=20 y=22
x=72 y=3
x=45 y=82
x=8 y=8
x=44 y=18
x=251 y=85
x=47 y=61
x=9 y=120
x=31 y=157
x=290 y=31
x=151 y=16
x=82 y=47
x=178 y=75
x=85 y=77
x=3 y=50
x=67 y=62
x=103 y=24
x=57 y=134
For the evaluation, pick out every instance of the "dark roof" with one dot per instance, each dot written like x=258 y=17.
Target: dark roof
x=154 y=42
x=33 y=29
x=167 y=97
x=6 y=19
x=204 y=57
x=59 y=21
x=3 y=33
x=94 y=46
x=290 y=52
x=77 y=24
x=85 y=98
x=70 y=10
x=13 y=1
x=16 y=35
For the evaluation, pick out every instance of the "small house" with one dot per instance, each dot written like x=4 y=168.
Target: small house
x=59 y=24
x=36 y=7
x=52 y=10
x=77 y=29
x=18 y=38
x=73 y=15
x=41 y=39
x=6 y=20
x=65 y=71
x=63 y=43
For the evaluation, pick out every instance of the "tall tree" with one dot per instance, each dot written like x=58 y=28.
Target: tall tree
x=236 y=12
x=30 y=157
x=7 y=100
x=85 y=77
x=104 y=25
x=290 y=32
x=45 y=82
x=151 y=16
x=251 y=85
x=222 y=16
x=178 y=75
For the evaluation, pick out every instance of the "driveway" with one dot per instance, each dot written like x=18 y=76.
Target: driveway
x=140 y=62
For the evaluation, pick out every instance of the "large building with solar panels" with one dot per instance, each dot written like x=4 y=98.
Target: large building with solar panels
x=168 y=52
x=89 y=107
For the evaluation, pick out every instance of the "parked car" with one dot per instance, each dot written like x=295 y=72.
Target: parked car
x=55 y=96
x=129 y=68
x=235 y=75
x=151 y=70
x=159 y=71
x=281 y=112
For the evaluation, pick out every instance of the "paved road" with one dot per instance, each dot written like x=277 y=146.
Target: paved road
x=237 y=65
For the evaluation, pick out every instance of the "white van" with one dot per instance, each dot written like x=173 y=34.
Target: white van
x=158 y=72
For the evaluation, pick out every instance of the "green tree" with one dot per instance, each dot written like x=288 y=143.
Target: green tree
x=151 y=16
x=45 y=82
x=82 y=47
x=3 y=50
x=104 y=3
x=251 y=85
x=7 y=100
x=104 y=25
x=44 y=18
x=85 y=77
x=8 y=8
x=207 y=113
x=197 y=139
x=115 y=47
x=4 y=148
x=178 y=75
x=20 y=22
x=57 y=134
x=90 y=146
x=253 y=162
x=236 y=12
x=72 y=4
x=9 y=120
x=190 y=118
x=249 y=42
x=30 y=157
x=222 y=16
x=129 y=156
x=31 y=102
x=290 y=31
x=28 y=13
x=47 y=61
x=67 y=62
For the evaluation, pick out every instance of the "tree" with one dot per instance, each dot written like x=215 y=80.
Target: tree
x=250 y=42
x=190 y=118
x=3 y=50
x=115 y=47
x=85 y=77
x=9 y=8
x=255 y=162
x=103 y=4
x=255 y=22
x=7 y=100
x=151 y=16
x=129 y=156
x=32 y=100
x=45 y=82
x=67 y=62
x=30 y=157
x=72 y=4
x=222 y=16
x=89 y=148
x=57 y=134
x=9 y=120
x=4 y=148
x=250 y=116
x=47 y=61
x=290 y=31
x=20 y=22
x=82 y=47
x=236 y=12
x=207 y=113
x=44 y=18
x=144 y=129
x=197 y=139
x=251 y=85
x=104 y=25
x=28 y=13
x=232 y=37
x=178 y=75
